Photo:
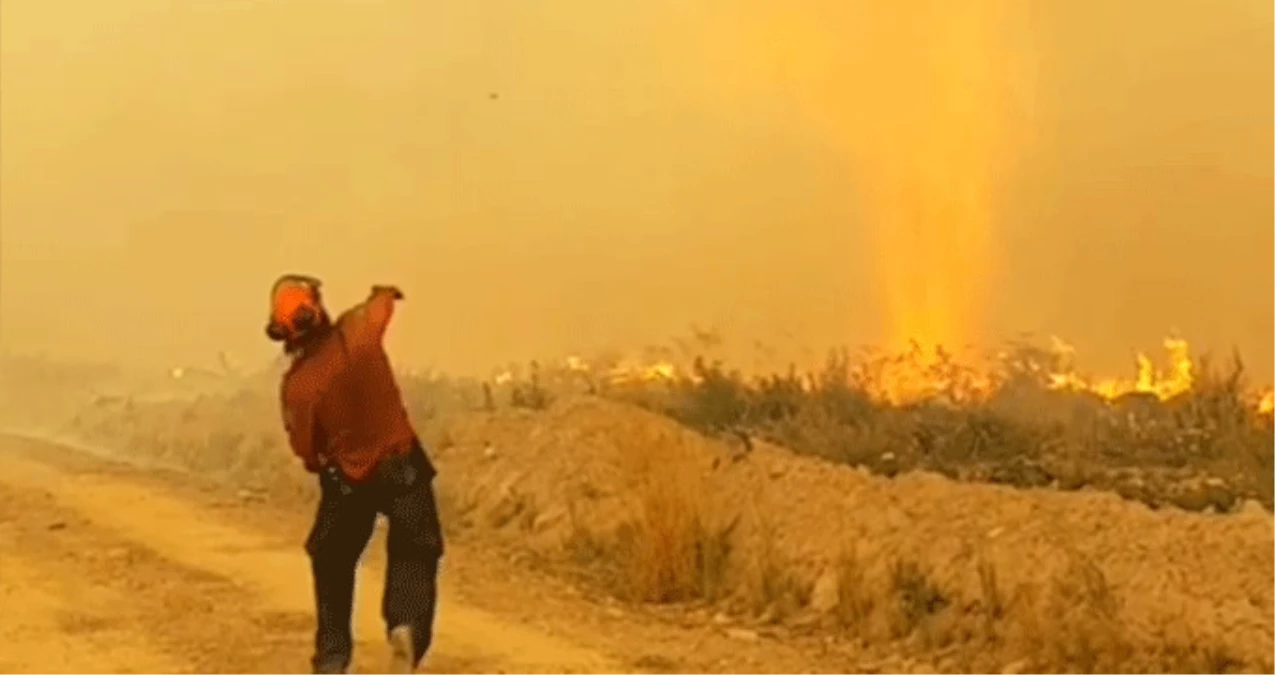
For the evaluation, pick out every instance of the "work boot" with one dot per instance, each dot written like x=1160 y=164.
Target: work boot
x=402 y=650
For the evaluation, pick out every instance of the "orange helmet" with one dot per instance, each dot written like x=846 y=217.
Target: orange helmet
x=295 y=307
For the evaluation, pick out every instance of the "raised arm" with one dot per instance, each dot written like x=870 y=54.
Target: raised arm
x=380 y=307
x=370 y=319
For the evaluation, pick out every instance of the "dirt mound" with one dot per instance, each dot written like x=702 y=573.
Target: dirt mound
x=1066 y=577
x=975 y=577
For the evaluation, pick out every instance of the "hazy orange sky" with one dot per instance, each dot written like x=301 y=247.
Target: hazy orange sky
x=569 y=175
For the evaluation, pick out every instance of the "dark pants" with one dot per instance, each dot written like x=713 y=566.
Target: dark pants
x=401 y=489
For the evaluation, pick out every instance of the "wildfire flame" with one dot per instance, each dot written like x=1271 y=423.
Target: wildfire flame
x=1163 y=384
x=1266 y=405
x=936 y=375
x=634 y=371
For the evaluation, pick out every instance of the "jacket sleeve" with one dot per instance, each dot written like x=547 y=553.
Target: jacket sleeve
x=369 y=320
x=301 y=426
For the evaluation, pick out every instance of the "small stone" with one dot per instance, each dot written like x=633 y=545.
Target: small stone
x=742 y=634
x=777 y=632
x=547 y=519
x=1016 y=667
x=59 y=525
x=489 y=452
x=1252 y=507
x=721 y=619
x=826 y=594
x=768 y=617
x=888 y=466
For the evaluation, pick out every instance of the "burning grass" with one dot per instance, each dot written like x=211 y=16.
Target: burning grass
x=1195 y=437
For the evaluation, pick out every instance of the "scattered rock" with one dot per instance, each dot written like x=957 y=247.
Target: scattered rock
x=826 y=594
x=58 y=525
x=768 y=617
x=721 y=619
x=888 y=465
x=1016 y=667
x=489 y=452
x=547 y=519
x=1221 y=497
x=742 y=634
x=1252 y=507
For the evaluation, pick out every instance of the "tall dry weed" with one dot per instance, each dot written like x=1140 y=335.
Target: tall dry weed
x=672 y=550
x=772 y=587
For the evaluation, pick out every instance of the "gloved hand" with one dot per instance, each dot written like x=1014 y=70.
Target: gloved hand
x=393 y=290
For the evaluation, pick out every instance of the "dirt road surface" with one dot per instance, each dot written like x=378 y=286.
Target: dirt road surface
x=107 y=574
x=108 y=568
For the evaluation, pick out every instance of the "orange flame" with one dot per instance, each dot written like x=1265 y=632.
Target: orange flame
x=1163 y=384
x=922 y=373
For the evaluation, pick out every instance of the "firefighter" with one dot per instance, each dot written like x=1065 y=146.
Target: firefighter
x=345 y=420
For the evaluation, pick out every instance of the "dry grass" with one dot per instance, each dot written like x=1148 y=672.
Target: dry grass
x=855 y=599
x=671 y=549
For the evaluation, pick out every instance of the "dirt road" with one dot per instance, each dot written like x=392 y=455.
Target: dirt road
x=101 y=572
x=105 y=567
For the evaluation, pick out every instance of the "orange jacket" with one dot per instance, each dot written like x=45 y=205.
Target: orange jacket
x=340 y=401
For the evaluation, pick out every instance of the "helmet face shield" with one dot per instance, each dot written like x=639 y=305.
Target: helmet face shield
x=296 y=307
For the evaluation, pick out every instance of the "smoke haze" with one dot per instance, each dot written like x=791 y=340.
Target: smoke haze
x=573 y=175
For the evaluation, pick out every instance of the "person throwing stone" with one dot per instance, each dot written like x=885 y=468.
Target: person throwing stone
x=345 y=420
